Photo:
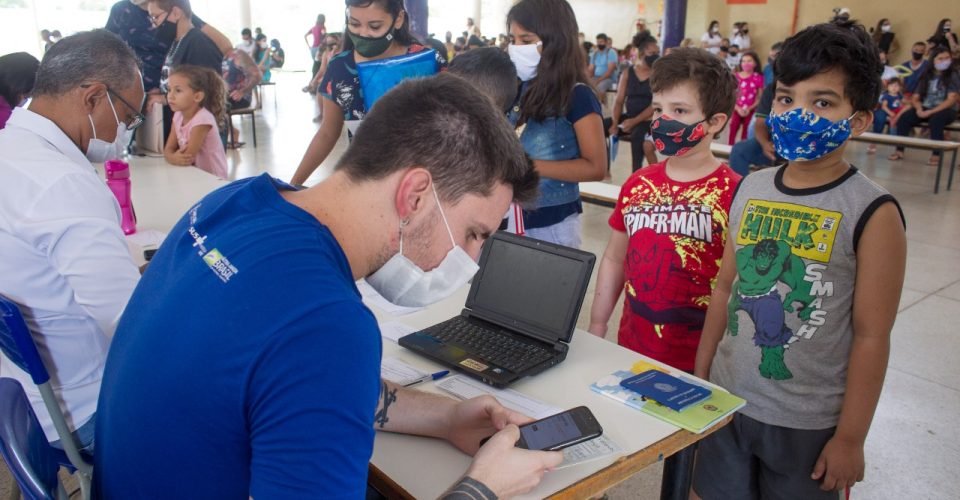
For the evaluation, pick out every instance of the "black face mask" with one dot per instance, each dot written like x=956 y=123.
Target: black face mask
x=601 y=47
x=649 y=60
x=946 y=29
x=166 y=33
x=745 y=32
x=917 y=56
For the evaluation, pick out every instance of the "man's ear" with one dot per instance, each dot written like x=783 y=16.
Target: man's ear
x=92 y=95
x=860 y=122
x=413 y=192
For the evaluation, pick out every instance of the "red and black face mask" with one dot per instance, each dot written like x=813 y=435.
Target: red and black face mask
x=675 y=138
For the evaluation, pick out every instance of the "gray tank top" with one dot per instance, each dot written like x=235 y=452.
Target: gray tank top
x=789 y=326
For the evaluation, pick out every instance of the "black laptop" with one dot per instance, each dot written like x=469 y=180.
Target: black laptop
x=520 y=314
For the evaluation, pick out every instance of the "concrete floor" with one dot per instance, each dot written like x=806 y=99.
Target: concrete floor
x=914 y=443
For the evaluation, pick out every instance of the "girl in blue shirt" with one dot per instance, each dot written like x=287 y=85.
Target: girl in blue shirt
x=558 y=116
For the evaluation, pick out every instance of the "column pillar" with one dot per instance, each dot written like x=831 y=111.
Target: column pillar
x=418 y=11
x=674 y=22
x=246 y=15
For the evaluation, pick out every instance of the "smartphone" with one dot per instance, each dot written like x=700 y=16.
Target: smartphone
x=559 y=431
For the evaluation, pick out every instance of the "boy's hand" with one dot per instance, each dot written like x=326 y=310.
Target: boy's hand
x=840 y=465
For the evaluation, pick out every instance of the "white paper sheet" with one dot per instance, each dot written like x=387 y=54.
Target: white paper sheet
x=465 y=387
x=372 y=298
x=589 y=451
x=397 y=371
x=393 y=330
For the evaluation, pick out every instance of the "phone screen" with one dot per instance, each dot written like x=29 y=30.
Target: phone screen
x=551 y=431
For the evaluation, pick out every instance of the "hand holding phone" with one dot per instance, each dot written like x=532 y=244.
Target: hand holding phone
x=559 y=431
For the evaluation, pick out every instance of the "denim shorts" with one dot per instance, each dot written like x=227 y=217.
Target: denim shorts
x=565 y=232
x=83 y=435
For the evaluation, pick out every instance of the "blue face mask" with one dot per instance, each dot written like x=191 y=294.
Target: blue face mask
x=799 y=135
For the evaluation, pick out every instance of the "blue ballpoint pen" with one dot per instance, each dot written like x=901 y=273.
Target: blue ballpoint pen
x=432 y=376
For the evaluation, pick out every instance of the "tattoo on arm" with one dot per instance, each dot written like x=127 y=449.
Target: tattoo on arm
x=469 y=489
x=387 y=398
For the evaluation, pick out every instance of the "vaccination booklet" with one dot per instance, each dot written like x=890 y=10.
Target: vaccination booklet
x=695 y=418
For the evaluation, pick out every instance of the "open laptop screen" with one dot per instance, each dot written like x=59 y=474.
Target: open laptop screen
x=531 y=285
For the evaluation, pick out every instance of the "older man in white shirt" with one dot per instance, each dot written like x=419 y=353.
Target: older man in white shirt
x=64 y=259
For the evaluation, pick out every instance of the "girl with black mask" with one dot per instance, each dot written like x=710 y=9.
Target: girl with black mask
x=376 y=29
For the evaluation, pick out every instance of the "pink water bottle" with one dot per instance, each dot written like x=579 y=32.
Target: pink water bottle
x=118 y=180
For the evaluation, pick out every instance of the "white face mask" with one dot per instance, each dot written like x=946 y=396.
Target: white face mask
x=885 y=28
x=99 y=151
x=403 y=283
x=526 y=58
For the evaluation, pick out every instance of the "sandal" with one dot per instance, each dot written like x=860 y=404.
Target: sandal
x=895 y=156
x=235 y=145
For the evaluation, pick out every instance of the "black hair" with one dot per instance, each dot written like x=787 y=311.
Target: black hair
x=642 y=39
x=923 y=83
x=712 y=24
x=777 y=46
x=842 y=45
x=246 y=32
x=599 y=35
x=18 y=73
x=466 y=144
x=491 y=71
x=562 y=65
x=402 y=35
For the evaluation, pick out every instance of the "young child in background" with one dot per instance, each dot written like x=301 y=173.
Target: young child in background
x=670 y=221
x=558 y=116
x=750 y=81
x=892 y=104
x=198 y=98
x=799 y=322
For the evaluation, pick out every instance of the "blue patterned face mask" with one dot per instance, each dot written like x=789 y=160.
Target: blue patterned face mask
x=799 y=135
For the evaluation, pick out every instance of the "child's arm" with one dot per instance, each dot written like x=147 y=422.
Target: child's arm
x=198 y=135
x=881 y=258
x=609 y=283
x=716 y=320
x=171 y=151
x=592 y=164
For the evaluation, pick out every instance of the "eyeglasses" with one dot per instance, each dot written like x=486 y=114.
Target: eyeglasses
x=138 y=117
x=155 y=20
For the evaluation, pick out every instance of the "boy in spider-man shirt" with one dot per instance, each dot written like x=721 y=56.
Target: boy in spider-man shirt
x=670 y=221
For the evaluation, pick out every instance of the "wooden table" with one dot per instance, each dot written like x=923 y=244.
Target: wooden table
x=414 y=467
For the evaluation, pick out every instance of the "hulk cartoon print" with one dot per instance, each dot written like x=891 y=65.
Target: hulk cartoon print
x=761 y=267
x=783 y=260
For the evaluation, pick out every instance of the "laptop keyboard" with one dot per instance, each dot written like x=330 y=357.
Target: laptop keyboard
x=496 y=347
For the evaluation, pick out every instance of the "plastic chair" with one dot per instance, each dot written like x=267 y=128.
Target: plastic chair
x=31 y=459
x=18 y=346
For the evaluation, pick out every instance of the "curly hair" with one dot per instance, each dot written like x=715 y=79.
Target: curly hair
x=211 y=84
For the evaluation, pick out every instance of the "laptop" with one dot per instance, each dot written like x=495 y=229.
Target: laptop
x=519 y=316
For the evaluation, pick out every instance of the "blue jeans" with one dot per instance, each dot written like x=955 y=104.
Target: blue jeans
x=746 y=153
x=565 y=232
x=83 y=435
x=879 y=121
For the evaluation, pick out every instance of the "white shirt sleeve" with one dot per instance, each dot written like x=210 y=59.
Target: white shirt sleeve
x=75 y=223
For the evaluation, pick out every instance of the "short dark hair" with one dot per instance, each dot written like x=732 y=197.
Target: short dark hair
x=246 y=32
x=716 y=86
x=491 y=71
x=88 y=56
x=602 y=36
x=18 y=73
x=777 y=46
x=467 y=145
x=895 y=80
x=843 y=45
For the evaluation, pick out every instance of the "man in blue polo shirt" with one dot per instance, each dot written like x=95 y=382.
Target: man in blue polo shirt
x=603 y=65
x=246 y=365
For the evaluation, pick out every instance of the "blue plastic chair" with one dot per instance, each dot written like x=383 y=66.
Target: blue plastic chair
x=31 y=459
x=18 y=345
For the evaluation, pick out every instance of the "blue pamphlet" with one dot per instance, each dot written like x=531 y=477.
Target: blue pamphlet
x=666 y=389
x=379 y=76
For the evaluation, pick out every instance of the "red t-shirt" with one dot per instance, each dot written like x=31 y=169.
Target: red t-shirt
x=676 y=235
